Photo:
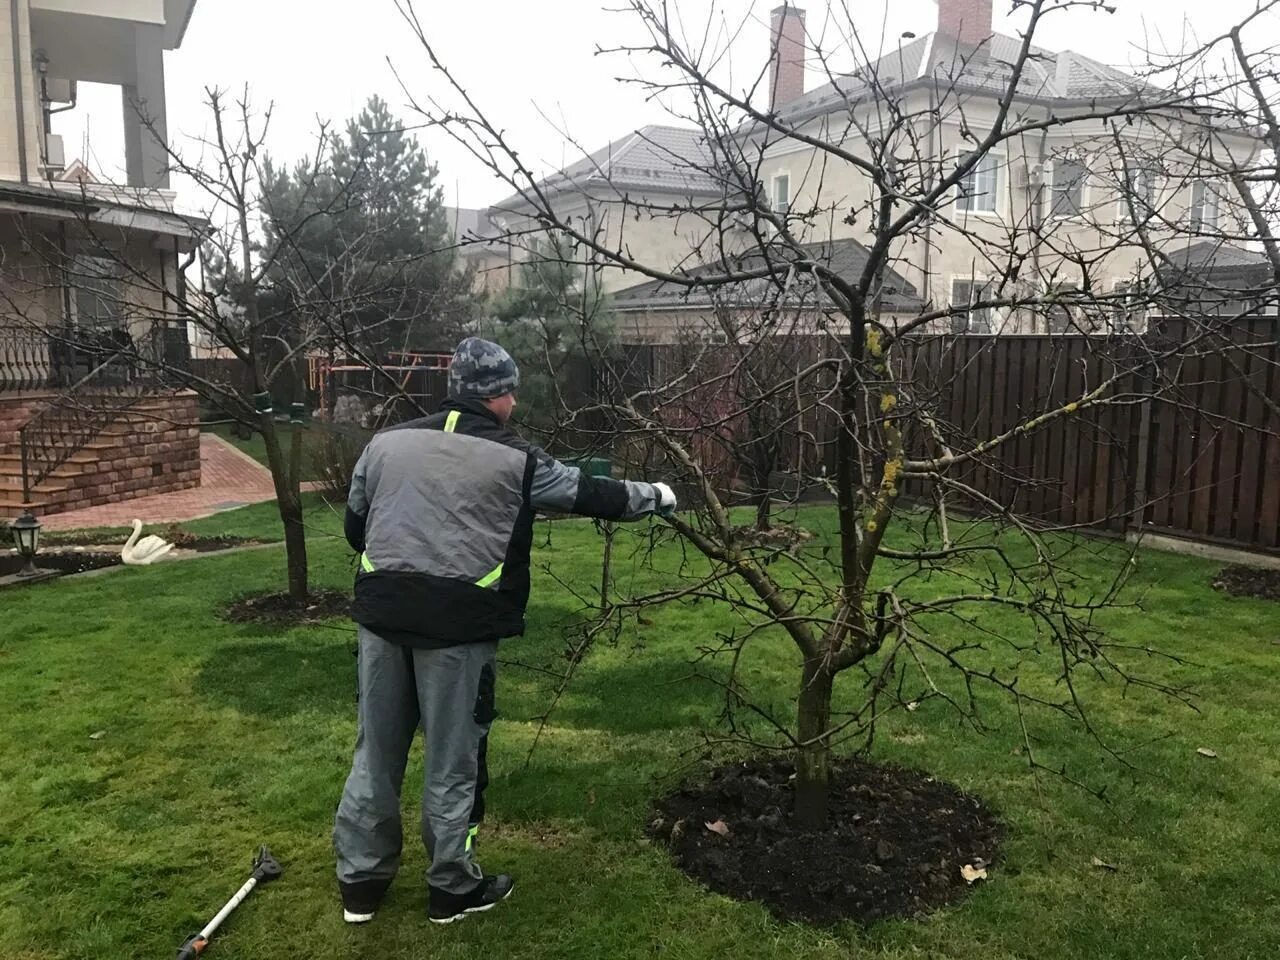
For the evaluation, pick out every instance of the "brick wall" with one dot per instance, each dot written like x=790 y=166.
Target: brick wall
x=786 y=69
x=15 y=411
x=153 y=448
x=969 y=21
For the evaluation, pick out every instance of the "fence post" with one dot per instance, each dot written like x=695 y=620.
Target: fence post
x=1138 y=506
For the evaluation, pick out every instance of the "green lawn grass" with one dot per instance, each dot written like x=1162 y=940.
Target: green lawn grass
x=218 y=737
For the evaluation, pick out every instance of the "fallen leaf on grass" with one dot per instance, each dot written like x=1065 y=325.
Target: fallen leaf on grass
x=913 y=706
x=1206 y=752
x=97 y=735
x=1103 y=865
x=719 y=827
x=973 y=874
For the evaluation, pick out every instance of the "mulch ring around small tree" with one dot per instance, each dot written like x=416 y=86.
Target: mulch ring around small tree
x=1241 y=581
x=281 y=610
x=898 y=843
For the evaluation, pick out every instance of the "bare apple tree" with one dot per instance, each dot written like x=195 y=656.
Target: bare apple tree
x=865 y=251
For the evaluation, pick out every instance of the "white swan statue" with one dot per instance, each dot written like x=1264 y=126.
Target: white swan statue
x=139 y=553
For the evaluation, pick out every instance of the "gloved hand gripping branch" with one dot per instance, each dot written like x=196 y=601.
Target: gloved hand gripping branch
x=666 y=500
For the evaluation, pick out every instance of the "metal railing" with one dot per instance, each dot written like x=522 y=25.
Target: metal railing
x=27 y=359
x=100 y=377
x=57 y=358
x=55 y=433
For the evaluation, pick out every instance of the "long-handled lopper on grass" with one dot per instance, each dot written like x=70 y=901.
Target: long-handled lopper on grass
x=265 y=869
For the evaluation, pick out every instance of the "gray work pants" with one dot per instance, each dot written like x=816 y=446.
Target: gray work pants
x=450 y=693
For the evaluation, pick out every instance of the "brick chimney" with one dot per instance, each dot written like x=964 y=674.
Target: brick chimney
x=966 y=21
x=788 y=51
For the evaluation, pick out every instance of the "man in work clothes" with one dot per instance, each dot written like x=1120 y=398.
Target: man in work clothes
x=441 y=510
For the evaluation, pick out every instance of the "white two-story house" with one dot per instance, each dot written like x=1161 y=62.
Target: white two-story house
x=89 y=271
x=1075 y=202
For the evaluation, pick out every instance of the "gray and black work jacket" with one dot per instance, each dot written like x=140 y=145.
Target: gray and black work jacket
x=441 y=511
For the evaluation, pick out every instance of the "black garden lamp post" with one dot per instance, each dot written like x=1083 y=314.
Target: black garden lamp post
x=26 y=537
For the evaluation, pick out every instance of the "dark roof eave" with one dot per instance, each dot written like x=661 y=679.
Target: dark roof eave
x=83 y=202
x=636 y=306
x=50 y=199
x=1203 y=273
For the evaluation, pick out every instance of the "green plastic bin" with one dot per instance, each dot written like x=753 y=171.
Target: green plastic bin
x=593 y=466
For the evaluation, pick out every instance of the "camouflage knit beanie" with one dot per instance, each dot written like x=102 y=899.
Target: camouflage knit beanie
x=481 y=369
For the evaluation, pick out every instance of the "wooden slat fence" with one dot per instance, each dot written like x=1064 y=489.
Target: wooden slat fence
x=1189 y=443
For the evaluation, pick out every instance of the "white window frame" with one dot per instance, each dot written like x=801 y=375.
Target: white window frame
x=98 y=282
x=1207 y=191
x=994 y=319
x=784 y=207
x=1149 y=171
x=997 y=208
x=1051 y=194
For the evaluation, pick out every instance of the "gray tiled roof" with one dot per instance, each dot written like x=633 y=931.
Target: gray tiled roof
x=652 y=158
x=1064 y=76
x=845 y=257
x=1213 y=255
x=669 y=158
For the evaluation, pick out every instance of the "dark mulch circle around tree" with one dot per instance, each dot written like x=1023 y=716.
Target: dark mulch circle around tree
x=1241 y=581
x=279 y=609
x=895 y=845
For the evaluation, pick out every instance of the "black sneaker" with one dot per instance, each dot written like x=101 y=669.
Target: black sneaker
x=448 y=907
x=360 y=901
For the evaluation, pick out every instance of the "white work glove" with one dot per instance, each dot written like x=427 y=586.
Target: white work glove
x=666 y=500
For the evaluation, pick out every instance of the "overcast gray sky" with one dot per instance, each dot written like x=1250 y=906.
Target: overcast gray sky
x=532 y=65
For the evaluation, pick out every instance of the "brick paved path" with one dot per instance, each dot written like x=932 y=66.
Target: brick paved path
x=228 y=479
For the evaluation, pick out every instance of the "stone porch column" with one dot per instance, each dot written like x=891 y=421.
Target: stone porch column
x=146 y=159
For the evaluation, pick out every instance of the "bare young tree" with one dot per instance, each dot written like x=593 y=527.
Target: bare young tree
x=936 y=200
x=254 y=307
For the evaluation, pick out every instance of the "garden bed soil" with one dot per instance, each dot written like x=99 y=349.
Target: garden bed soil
x=180 y=539
x=61 y=563
x=895 y=844
x=1241 y=581
x=279 y=609
x=82 y=552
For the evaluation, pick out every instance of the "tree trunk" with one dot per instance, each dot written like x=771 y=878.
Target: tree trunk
x=295 y=547
x=285 y=476
x=813 y=761
x=764 y=504
x=606 y=567
x=762 y=463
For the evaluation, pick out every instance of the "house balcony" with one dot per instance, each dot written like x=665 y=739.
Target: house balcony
x=116 y=42
x=39 y=362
